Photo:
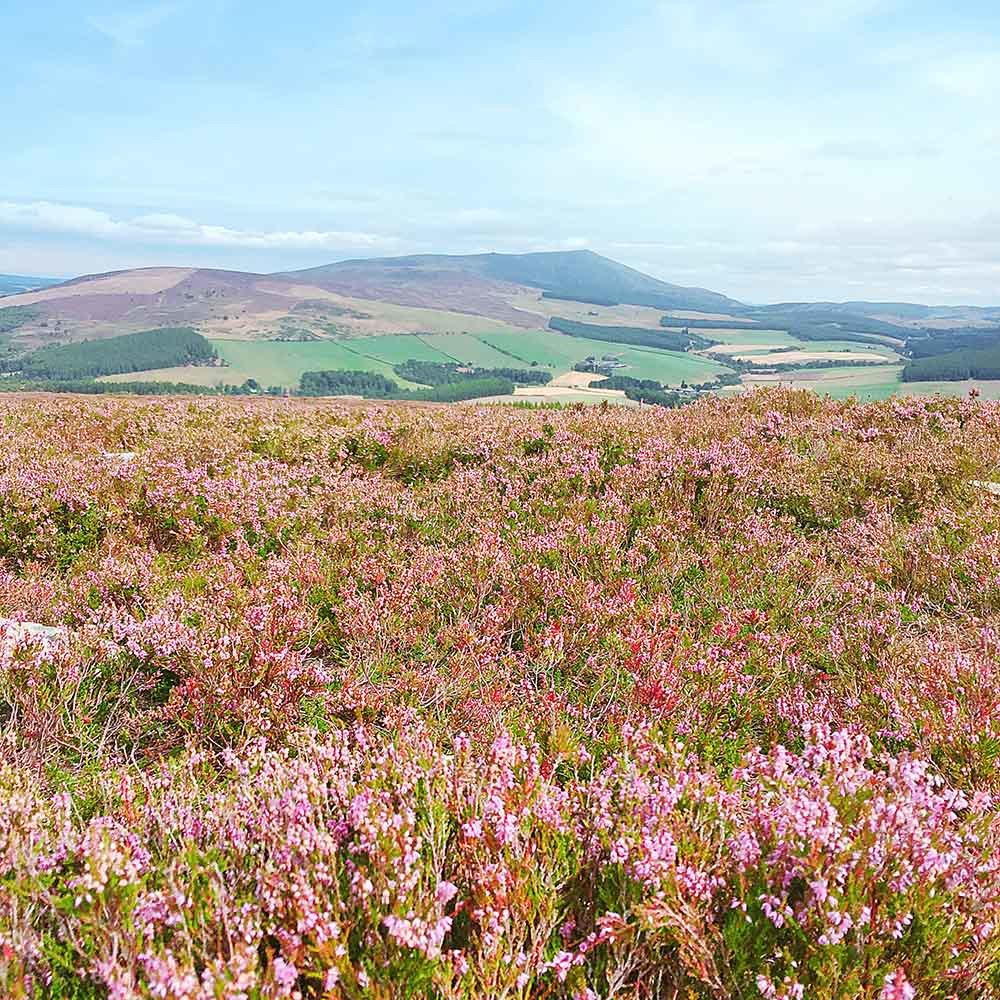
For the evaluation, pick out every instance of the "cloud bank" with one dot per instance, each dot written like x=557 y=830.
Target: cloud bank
x=173 y=230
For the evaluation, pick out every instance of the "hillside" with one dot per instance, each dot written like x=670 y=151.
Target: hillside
x=580 y=275
x=131 y=352
x=953 y=366
x=345 y=701
x=550 y=310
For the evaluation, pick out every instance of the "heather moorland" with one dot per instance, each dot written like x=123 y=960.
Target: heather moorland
x=302 y=699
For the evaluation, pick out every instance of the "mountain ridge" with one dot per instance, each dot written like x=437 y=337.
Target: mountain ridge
x=418 y=292
x=568 y=273
x=14 y=284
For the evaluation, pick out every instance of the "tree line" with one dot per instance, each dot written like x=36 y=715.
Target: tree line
x=375 y=386
x=131 y=352
x=436 y=373
x=956 y=366
x=635 y=336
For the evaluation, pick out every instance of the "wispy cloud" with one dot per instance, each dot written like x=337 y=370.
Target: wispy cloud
x=131 y=28
x=160 y=229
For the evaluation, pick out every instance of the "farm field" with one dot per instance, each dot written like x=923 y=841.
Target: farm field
x=751 y=338
x=873 y=383
x=585 y=312
x=560 y=353
x=303 y=699
x=281 y=363
x=471 y=350
x=760 y=347
x=877 y=381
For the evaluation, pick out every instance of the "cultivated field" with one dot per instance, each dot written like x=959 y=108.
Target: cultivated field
x=531 y=302
x=281 y=363
x=872 y=383
x=308 y=700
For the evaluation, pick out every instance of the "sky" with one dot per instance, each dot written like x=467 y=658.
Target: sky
x=768 y=149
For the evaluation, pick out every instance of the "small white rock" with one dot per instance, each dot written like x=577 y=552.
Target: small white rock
x=987 y=486
x=49 y=637
x=120 y=456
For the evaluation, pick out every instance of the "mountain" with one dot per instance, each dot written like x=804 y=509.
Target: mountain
x=477 y=293
x=12 y=284
x=580 y=275
x=899 y=313
x=355 y=297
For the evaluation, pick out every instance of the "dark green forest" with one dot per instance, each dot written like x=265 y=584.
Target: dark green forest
x=945 y=342
x=90 y=388
x=372 y=386
x=14 y=316
x=436 y=373
x=132 y=352
x=956 y=366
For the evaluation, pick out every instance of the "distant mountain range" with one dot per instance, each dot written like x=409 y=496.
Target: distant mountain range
x=415 y=294
x=11 y=284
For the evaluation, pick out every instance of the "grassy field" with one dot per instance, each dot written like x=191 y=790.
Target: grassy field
x=585 y=312
x=273 y=363
x=872 y=383
x=282 y=363
x=472 y=350
x=394 y=350
x=562 y=397
x=560 y=353
x=751 y=338
x=875 y=381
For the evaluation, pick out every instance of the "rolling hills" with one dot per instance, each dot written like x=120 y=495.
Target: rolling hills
x=548 y=310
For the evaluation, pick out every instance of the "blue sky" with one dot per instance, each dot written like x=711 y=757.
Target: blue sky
x=769 y=149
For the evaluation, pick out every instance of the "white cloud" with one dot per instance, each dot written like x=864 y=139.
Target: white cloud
x=164 y=229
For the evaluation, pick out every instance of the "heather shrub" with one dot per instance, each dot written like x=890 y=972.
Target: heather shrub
x=304 y=699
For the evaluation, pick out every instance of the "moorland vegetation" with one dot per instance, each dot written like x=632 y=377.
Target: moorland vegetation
x=301 y=699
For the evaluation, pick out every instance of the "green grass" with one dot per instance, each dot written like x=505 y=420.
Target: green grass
x=865 y=383
x=877 y=350
x=668 y=367
x=422 y=319
x=273 y=363
x=560 y=353
x=281 y=363
x=472 y=350
x=395 y=349
x=553 y=350
x=751 y=338
x=988 y=388
x=880 y=382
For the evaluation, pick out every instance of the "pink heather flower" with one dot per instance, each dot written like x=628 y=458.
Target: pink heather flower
x=766 y=987
x=446 y=892
x=472 y=830
x=285 y=974
x=897 y=987
x=820 y=890
x=561 y=965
